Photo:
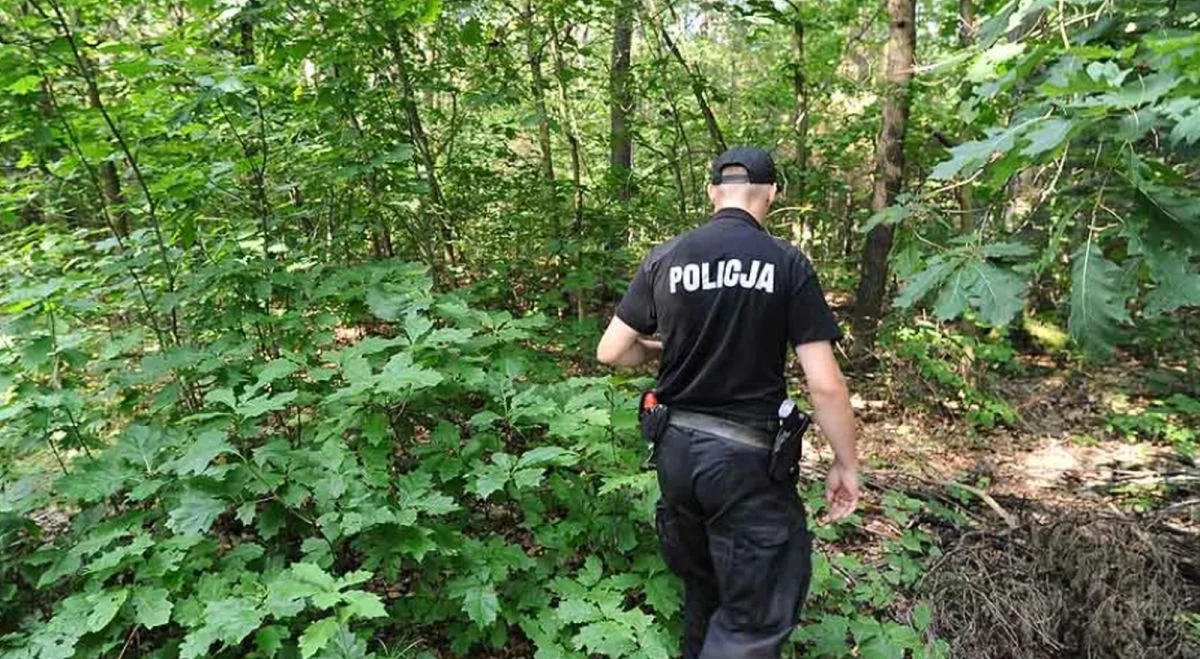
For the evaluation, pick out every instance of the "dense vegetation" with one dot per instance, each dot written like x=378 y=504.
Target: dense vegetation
x=298 y=299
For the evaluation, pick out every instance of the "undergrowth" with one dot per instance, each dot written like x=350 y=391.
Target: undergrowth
x=321 y=461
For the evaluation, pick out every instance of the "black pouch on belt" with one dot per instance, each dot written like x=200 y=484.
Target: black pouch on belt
x=653 y=418
x=785 y=454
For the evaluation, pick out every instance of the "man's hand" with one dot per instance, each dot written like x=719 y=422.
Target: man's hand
x=841 y=491
x=652 y=347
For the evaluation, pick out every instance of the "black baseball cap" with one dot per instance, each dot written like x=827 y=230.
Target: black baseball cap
x=760 y=168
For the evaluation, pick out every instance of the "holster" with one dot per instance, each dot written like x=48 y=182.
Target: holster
x=653 y=417
x=789 y=441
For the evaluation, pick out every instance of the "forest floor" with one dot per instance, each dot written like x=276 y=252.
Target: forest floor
x=1050 y=498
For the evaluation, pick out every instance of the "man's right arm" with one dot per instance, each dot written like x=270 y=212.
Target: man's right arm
x=831 y=407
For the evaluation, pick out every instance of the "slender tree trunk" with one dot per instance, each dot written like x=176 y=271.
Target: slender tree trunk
x=246 y=27
x=799 y=88
x=889 y=172
x=662 y=60
x=110 y=182
x=421 y=144
x=533 y=52
x=966 y=35
x=621 y=100
x=800 y=122
x=560 y=75
x=697 y=84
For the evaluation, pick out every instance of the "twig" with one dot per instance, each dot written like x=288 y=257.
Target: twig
x=1180 y=504
x=987 y=499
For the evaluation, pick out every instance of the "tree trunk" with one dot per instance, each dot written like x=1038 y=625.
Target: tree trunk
x=421 y=145
x=889 y=172
x=800 y=123
x=534 y=53
x=966 y=35
x=697 y=84
x=246 y=51
x=110 y=182
x=560 y=74
x=620 y=100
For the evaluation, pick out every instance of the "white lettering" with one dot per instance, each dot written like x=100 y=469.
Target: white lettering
x=748 y=279
x=700 y=276
x=766 y=279
x=732 y=270
x=675 y=275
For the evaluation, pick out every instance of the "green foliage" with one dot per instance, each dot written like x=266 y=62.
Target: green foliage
x=1061 y=117
x=957 y=368
x=852 y=602
x=1171 y=421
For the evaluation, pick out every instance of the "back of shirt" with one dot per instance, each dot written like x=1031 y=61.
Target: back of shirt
x=727 y=300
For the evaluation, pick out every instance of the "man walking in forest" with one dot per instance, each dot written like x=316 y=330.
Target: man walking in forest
x=727 y=299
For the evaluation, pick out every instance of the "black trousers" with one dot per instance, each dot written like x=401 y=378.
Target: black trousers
x=737 y=539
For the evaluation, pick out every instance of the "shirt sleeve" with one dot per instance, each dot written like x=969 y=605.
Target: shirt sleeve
x=636 y=309
x=809 y=316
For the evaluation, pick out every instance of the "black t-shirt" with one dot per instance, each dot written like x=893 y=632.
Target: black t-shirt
x=727 y=299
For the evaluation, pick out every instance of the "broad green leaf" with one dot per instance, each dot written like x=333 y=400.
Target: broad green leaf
x=269 y=639
x=952 y=300
x=195 y=513
x=400 y=374
x=260 y=405
x=591 y=572
x=607 y=637
x=481 y=604
x=662 y=593
x=275 y=370
x=1140 y=91
x=152 y=606
x=984 y=67
x=547 y=455
x=1046 y=136
x=1178 y=283
x=996 y=292
x=1097 y=304
x=575 y=611
x=490 y=478
x=317 y=636
x=313 y=575
x=232 y=619
x=968 y=157
x=529 y=478
x=361 y=604
x=223 y=396
x=105 y=605
x=926 y=281
x=1007 y=250
x=207 y=446
x=1187 y=129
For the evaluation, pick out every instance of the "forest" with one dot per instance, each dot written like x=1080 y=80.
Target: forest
x=299 y=304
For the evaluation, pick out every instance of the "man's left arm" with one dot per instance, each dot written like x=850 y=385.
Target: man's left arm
x=621 y=345
x=626 y=342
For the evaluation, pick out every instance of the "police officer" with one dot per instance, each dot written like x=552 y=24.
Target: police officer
x=727 y=299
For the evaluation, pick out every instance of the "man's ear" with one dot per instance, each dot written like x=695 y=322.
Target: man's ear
x=712 y=193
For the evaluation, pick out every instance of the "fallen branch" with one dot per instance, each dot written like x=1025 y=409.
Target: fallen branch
x=987 y=499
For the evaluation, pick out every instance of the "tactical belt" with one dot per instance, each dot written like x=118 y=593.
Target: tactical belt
x=715 y=425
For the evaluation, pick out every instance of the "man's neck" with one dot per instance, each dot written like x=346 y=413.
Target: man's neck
x=758 y=217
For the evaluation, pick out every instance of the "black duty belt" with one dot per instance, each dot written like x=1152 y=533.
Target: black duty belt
x=731 y=430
